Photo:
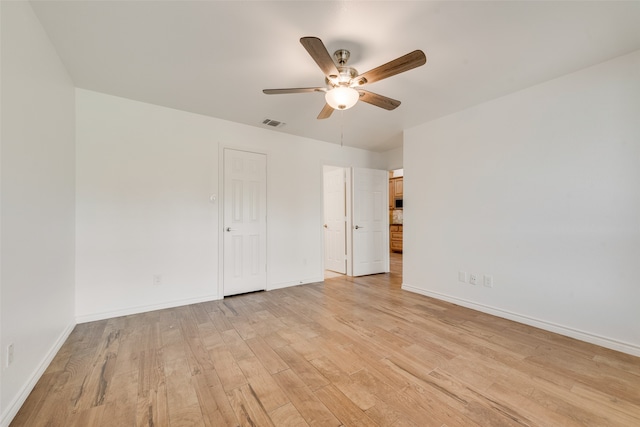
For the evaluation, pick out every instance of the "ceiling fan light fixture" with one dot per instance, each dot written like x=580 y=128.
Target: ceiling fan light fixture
x=342 y=97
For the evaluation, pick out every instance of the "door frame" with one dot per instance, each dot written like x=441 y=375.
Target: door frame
x=219 y=198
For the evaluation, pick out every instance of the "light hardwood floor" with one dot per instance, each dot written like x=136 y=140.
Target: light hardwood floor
x=349 y=351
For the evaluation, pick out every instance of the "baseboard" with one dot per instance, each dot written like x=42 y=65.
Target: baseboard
x=18 y=401
x=84 y=318
x=624 y=347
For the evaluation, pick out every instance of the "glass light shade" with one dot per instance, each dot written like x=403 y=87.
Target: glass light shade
x=342 y=97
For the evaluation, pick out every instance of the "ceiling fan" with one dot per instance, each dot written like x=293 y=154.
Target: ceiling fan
x=343 y=83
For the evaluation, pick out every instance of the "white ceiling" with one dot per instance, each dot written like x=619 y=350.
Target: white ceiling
x=215 y=57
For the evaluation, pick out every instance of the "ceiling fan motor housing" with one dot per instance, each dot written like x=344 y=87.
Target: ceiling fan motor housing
x=344 y=78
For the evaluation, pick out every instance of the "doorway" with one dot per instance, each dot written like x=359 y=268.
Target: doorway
x=355 y=221
x=396 y=211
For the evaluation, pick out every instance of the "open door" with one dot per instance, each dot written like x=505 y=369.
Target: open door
x=335 y=225
x=370 y=221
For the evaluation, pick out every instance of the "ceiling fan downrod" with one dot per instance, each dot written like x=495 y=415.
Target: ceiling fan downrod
x=341 y=56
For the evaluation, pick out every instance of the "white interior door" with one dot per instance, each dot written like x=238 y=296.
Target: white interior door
x=335 y=225
x=370 y=221
x=245 y=222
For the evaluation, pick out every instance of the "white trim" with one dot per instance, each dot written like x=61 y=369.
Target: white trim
x=531 y=321
x=348 y=196
x=144 y=308
x=21 y=397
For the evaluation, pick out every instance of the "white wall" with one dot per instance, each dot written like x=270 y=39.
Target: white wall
x=37 y=210
x=540 y=189
x=393 y=158
x=144 y=177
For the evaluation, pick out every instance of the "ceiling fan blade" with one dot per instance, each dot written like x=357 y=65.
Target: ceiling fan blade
x=397 y=66
x=378 y=100
x=319 y=53
x=326 y=112
x=294 y=90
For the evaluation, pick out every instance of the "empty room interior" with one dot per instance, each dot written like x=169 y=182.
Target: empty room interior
x=333 y=213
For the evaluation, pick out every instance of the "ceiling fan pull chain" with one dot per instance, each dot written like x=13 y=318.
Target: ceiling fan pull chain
x=341 y=128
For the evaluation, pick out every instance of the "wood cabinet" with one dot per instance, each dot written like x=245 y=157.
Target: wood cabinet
x=395 y=191
x=395 y=230
x=392 y=197
x=397 y=187
x=395 y=237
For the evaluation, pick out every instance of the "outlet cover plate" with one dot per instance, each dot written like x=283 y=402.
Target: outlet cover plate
x=488 y=281
x=9 y=354
x=462 y=276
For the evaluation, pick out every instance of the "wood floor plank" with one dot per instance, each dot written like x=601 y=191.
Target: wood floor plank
x=183 y=404
x=220 y=320
x=97 y=383
x=275 y=340
x=248 y=408
x=227 y=368
x=287 y=416
x=348 y=351
x=308 y=405
x=309 y=349
x=391 y=396
x=265 y=388
x=616 y=408
x=90 y=417
x=536 y=413
x=457 y=404
x=121 y=390
x=269 y=358
x=152 y=407
x=237 y=345
x=362 y=397
x=340 y=355
x=199 y=313
x=343 y=408
x=242 y=327
x=196 y=351
x=215 y=405
x=387 y=415
x=303 y=369
x=210 y=335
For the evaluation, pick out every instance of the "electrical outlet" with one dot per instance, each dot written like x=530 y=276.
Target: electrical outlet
x=9 y=354
x=488 y=281
x=157 y=280
x=462 y=276
x=473 y=278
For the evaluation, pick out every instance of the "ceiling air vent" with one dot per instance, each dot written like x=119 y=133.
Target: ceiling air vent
x=273 y=123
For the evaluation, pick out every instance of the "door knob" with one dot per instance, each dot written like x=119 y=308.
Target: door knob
x=325 y=226
x=230 y=229
x=357 y=227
